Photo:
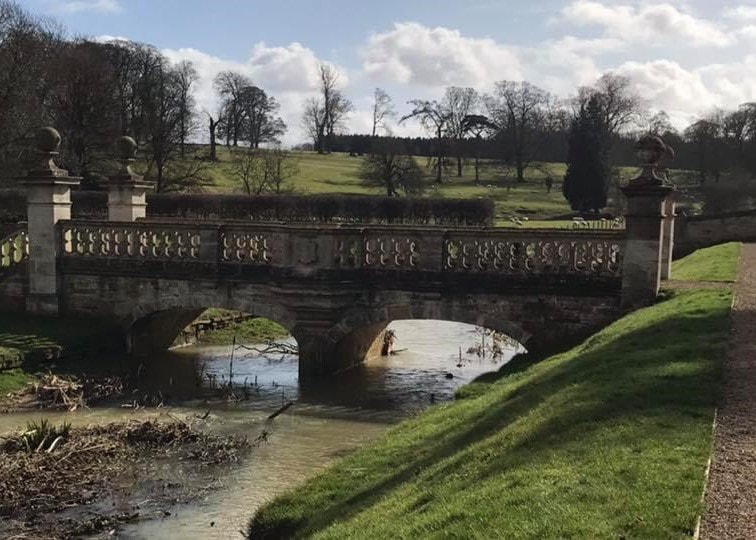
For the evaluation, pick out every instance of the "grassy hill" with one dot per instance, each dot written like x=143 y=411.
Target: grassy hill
x=607 y=440
x=339 y=173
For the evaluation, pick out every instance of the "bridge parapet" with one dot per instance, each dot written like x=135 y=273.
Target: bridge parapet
x=240 y=248
x=14 y=249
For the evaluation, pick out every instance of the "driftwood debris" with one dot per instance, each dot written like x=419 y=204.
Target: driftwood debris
x=282 y=410
x=78 y=470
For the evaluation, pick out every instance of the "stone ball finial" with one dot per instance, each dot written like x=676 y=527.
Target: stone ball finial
x=126 y=148
x=48 y=140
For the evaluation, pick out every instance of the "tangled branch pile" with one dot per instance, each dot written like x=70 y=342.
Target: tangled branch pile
x=90 y=465
x=69 y=393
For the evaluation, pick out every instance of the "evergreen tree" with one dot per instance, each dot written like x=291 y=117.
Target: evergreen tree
x=586 y=183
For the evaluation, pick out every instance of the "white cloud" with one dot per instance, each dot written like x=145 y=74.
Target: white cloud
x=78 y=6
x=414 y=54
x=741 y=13
x=667 y=86
x=649 y=24
x=105 y=38
x=687 y=93
x=425 y=60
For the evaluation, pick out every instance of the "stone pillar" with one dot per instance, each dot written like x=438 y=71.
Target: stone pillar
x=669 y=208
x=318 y=356
x=316 y=353
x=48 y=195
x=127 y=192
x=646 y=196
x=641 y=270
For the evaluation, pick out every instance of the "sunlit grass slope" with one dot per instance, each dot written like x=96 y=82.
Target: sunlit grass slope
x=717 y=263
x=607 y=440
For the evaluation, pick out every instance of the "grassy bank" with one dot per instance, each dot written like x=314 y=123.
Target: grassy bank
x=607 y=440
x=250 y=331
x=27 y=339
x=717 y=263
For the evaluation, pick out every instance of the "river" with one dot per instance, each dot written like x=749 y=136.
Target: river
x=329 y=419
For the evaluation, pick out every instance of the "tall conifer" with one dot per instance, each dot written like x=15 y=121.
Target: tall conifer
x=586 y=182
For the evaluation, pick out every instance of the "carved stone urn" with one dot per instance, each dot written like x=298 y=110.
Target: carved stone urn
x=651 y=151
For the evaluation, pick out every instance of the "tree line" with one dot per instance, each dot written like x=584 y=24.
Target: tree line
x=94 y=92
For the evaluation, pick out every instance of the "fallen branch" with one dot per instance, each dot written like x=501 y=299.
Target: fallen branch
x=273 y=348
x=281 y=410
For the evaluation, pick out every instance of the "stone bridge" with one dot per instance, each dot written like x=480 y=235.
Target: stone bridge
x=334 y=288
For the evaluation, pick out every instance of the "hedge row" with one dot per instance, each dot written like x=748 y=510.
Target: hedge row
x=287 y=209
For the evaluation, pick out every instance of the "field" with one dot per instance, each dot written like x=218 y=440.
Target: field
x=607 y=440
x=339 y=173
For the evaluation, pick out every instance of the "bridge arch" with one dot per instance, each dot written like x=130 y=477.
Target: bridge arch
x=380 y=317
x=155 y=325
x=355 y=337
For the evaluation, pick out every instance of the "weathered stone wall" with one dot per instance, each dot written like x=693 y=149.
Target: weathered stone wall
x=13 y=290
x=696 y=232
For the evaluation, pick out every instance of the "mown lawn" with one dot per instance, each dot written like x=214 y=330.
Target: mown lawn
x=339 y=173
x=607 y=440
x=717 y=263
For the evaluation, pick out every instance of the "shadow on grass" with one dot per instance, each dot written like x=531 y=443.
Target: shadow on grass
x=621 y=375
x=75 y=345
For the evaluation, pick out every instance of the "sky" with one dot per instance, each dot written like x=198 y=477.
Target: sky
x=686 y=57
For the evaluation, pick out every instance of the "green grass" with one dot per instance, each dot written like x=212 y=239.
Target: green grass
x=252 y=331
x=25 y=333
x=21 y=335
x=338 y=173
x=718 y=263
x=13 y=380
x=607 y=440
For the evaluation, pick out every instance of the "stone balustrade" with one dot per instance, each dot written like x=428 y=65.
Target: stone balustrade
x=14 y=249
x=238 y=247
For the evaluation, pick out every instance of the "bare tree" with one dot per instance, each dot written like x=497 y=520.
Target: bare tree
x=261 y=123
x=28 y=47
x=249 y=170
x=186 y=78
x=313 y=122
x=163 y=116
x=214 y=123
x=477 y=125
x=621 y=104
x=283 y=167
x=324 y=116
x=84 y=107
x=389 y=167
x=740 y=127
x=523 y=115
x=265 y=171
x=707 y=135
x=383 y=110
x=460 y=104
x=435 y=118
x=230 y=86
x=660 y=124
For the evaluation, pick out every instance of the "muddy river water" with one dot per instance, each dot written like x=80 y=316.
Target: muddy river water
x=329 y=418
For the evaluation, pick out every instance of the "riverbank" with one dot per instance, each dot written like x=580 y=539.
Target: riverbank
x=63 y=482
x=609 y=439
x=248 y=331
x=27 y=341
